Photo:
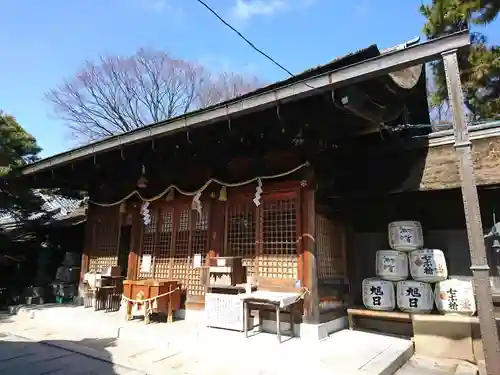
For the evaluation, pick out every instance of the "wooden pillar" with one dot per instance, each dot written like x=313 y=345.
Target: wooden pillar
x=88 y=240
x=88 y=244
x=135 y=243
x=216 y=226
x=479 y=263
x=309 y=277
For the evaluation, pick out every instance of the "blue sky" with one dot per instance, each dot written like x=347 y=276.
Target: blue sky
x=45 y=41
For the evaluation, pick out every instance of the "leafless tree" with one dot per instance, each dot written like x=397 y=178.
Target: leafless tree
x=439 y=110
x=119 y=94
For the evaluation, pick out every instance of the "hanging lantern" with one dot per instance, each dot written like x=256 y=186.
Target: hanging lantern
x=142 y=182
x=223 y=194
x=170 y=195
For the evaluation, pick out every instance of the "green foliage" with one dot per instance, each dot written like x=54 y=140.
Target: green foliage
x=17 y=148
x=480 y=64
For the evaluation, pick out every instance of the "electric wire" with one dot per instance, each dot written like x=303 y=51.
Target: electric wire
x=254 y=47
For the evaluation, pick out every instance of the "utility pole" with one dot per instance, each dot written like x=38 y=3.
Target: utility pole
x=479 y=263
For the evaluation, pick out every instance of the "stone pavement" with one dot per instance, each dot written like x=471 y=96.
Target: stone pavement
x=188 y=347
x=25 y=357
x=418 y=365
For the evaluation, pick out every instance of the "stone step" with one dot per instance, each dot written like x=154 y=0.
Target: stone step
x=419 y=365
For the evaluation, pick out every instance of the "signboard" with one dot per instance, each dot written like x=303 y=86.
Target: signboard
x=146 y=263
x=197 y=261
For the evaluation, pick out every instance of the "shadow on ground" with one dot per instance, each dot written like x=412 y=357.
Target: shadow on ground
x=23 y=357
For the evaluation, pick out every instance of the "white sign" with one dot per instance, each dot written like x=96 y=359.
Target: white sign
x=221 y=262
x=197 y=261
x=146 y=263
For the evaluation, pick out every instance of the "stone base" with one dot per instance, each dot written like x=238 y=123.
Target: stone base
x=318 y=332
x=312 y=332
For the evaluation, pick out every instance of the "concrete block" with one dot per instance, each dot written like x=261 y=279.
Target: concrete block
x=318 y=332
x=466 y=369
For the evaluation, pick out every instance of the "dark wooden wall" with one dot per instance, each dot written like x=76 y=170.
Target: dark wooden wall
x=273 y=238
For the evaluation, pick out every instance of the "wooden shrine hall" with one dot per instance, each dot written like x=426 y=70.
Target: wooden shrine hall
x=251 y=179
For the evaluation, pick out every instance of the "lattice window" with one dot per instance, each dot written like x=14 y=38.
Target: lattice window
x=278 y=257
x=199 y=245
x=329 y=249
x=164 y=244
x=182 y=243
x=106 y=230
x=241 y=233
x=148 y=246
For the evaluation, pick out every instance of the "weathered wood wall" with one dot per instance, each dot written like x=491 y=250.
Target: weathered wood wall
x=441 y=165
x=384 y=167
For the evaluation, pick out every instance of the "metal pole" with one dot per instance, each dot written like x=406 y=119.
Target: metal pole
x=479 y=262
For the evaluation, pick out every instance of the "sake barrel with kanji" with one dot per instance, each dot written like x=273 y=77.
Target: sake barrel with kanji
x=428 y=265
x=455 y=297
x=414 y=296
x=392 y=265
x=405 y=235
x=378 y=294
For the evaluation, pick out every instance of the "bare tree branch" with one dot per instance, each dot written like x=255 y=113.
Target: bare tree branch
x=439 y=110
x=119 y=94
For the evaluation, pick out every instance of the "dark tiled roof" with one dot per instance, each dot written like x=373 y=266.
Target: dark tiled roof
x=57 y=206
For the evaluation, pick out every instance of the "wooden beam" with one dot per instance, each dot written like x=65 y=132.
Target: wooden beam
x=258 y=100
x=479 y=262
x=88 y=244
x=135 y=243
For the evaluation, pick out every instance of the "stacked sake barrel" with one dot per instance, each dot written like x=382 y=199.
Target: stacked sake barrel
x=427 y=266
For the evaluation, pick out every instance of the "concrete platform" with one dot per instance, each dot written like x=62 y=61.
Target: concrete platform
x=187 y=346
x=419 y=365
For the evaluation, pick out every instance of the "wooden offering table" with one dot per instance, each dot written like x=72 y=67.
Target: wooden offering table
x=280 y=301
x=152 y=296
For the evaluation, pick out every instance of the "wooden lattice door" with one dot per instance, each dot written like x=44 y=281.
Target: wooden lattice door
x=191 y=238
x=330 y=243
x=199 y=245
x=182 y=242
x=105 y=228
x=145 y=268
x=164 y=242
x=241 y=232
x=278 y=226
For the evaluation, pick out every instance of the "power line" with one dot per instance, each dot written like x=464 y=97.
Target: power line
x=244 y=38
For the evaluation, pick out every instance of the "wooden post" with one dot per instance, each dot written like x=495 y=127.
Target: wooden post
x=308 y=255
x=135 y=243
x=87 y=249
x=88 y=243
x=216 y=227
x=479 y=262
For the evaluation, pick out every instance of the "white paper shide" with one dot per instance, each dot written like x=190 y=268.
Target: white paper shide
x=146 y=263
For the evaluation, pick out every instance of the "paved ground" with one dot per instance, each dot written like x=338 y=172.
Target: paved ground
x=436 y=366
x=22 y=357
x=183 y=347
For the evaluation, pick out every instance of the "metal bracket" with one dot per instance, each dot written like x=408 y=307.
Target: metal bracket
x=462 y=144
x=480 y=267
